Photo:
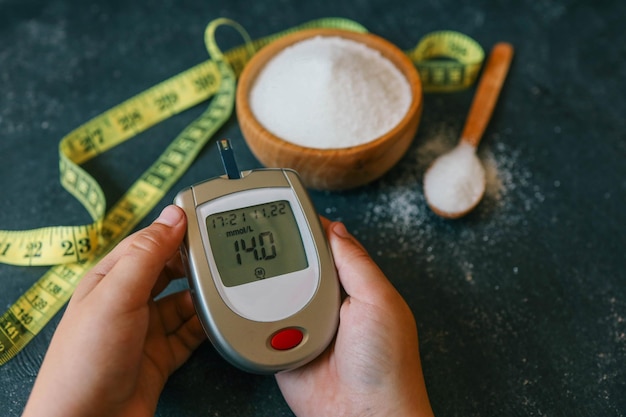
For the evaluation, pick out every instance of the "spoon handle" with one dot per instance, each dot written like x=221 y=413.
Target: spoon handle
x=487 y=93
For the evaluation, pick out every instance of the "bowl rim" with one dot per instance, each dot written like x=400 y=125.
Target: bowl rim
x=390 y=51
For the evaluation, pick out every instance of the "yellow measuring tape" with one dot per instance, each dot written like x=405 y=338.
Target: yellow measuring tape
x=447 y=61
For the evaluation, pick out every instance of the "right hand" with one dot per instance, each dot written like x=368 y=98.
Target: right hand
x=373 y=366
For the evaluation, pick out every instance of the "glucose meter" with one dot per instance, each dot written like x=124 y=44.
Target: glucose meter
x=260 y=270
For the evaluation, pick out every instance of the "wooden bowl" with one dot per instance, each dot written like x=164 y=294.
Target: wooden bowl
x=330 y=169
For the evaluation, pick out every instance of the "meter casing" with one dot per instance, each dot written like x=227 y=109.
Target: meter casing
x=244 y=341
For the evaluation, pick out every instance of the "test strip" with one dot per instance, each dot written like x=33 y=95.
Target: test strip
x=228 y=159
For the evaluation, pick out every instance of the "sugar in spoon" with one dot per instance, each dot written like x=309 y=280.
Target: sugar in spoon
x=455 y=183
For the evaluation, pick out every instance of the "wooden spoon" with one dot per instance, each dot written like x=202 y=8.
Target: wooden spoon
x=455 y=183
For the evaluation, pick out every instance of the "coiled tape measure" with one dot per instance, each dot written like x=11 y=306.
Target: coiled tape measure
x=73 y=250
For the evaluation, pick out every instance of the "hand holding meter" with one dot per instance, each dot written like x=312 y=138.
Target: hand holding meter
x=260 y=269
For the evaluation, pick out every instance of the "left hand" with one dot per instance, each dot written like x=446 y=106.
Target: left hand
x=116 y=346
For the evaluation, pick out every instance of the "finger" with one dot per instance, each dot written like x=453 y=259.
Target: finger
x=97 y=272
x=173 y=268
x=132 y=278
x=325 y=222
x=185 y=340
x=360 y=277
x=181 y=326
x=175 y=309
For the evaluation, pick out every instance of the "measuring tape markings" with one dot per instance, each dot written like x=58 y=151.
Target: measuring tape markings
x=29 y=314
x=463 y=60
x=26 y=317
x=113 y=127
x=89 y=243
x=47 y=246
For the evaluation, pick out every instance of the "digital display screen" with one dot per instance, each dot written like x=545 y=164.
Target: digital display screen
x=255 y=243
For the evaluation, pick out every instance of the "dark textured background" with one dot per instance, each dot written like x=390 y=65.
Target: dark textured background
x=521 y=306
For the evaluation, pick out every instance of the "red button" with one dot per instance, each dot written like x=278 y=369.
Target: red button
x=286 y=339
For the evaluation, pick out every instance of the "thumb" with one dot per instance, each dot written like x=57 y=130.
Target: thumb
x=135 y=266
x=360 y=277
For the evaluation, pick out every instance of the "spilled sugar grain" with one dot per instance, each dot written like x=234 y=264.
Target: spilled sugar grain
x=396 y=210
